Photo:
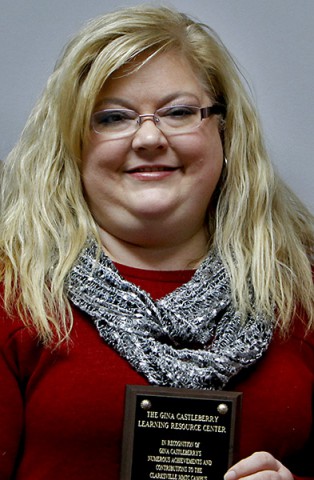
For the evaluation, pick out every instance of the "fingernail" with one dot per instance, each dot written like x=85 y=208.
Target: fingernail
x=230 y=475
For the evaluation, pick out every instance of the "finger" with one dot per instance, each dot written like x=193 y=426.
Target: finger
x=260 y=465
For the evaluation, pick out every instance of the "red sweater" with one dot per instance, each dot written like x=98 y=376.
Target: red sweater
x=61 y=410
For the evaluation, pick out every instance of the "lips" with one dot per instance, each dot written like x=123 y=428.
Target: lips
x=152 y=169
x=151 y=173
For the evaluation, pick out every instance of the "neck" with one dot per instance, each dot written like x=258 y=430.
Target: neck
x=168 y=255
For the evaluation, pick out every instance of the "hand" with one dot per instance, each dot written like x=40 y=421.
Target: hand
x=259 y=466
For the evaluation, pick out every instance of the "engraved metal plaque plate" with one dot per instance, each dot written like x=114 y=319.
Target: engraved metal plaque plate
x=178 y=434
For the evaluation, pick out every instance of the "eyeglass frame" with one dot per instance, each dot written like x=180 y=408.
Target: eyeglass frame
x=205 y=112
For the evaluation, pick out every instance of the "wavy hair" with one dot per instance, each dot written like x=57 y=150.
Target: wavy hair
x=262 y=231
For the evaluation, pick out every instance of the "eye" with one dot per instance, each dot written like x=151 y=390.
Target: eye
x=111 y=118
x=178 y=111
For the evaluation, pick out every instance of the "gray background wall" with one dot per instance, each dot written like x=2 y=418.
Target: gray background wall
x=272 y=40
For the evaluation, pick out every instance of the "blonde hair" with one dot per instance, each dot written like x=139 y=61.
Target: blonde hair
x=262 y=231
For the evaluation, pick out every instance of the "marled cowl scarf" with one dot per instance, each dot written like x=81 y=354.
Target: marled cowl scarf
x=192 y=338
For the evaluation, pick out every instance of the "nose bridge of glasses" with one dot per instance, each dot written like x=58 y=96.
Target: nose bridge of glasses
x=148 y=116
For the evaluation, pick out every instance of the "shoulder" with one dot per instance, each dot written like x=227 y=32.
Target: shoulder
x=301 y=333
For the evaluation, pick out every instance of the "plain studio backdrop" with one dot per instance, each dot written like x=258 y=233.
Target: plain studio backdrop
x=271 y=40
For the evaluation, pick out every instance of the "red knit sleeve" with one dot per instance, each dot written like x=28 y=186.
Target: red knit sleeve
x=304 y=461
x=11 y=405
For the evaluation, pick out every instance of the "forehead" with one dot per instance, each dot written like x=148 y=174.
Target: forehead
x=164 y=75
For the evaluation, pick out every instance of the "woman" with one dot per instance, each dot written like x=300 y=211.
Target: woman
x=147 y=239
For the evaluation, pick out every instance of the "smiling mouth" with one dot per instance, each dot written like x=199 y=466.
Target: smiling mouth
x=152 y=169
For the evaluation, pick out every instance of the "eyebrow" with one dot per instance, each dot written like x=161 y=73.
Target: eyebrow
x=119 y=101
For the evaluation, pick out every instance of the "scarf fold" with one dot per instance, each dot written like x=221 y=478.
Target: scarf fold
x=191 y=338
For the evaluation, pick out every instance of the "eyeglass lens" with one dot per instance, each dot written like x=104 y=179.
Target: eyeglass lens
x=170 y=120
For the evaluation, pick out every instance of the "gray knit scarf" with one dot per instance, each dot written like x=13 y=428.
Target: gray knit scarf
x=191 y=338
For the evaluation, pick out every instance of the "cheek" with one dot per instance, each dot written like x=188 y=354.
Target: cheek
x=205 y=157
x=208 y=165
x=100 y=156
x=208 y=176
x=203 y=143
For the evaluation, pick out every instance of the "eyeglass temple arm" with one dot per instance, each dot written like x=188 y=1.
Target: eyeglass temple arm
x=217 y=108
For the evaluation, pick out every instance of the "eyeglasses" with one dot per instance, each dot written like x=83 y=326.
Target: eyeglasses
x=174 y=120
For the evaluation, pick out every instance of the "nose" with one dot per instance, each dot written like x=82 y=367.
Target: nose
x=148 y=136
